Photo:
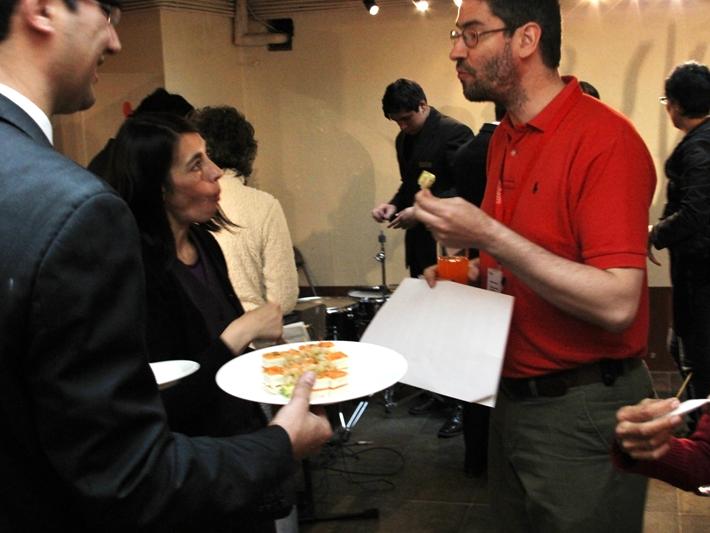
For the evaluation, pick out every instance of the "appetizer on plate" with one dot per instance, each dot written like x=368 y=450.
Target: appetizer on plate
x=281 y=370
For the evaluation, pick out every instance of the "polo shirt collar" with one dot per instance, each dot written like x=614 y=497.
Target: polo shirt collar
x=553 y=113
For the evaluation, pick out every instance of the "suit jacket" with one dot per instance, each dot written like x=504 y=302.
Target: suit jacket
x=432 y=149
x=470 y=165
x=85 y=444
x=470 y=169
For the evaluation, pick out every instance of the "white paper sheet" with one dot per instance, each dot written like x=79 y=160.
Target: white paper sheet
x=453 y=337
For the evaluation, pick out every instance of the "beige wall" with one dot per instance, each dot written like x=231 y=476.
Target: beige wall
x=325 y=149
x=126 y=77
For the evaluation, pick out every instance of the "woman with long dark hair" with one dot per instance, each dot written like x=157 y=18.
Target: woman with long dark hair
x=161 y=168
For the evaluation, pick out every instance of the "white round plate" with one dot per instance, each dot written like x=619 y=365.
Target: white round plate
x=371 y=368
x=168 y=373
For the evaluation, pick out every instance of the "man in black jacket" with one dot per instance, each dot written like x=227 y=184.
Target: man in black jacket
x=684 y=227
x=427 y=141
x=85 y=444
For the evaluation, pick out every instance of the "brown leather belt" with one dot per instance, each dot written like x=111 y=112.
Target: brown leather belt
x=557 y=383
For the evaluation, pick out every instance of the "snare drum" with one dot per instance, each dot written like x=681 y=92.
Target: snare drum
x=340 y=316
x=369 y=302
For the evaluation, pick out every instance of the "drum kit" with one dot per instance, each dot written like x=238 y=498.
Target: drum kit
x=347 y=317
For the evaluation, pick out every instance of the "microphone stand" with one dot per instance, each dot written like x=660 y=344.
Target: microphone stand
x=381 y=257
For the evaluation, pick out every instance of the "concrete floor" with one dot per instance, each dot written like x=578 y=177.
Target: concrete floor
x=417 y=483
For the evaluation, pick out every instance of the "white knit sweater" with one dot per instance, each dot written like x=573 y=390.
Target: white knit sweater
x=259 y=252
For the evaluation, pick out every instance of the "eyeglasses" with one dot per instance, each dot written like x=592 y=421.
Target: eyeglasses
x=663 y=100
x=113 y=13
x=470 y=36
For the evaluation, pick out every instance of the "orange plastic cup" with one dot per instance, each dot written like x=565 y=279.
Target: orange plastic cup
x=453 y=267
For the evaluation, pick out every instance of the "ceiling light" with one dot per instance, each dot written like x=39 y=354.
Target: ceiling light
x=458 y=3
x=421 y=5
x=371 y=7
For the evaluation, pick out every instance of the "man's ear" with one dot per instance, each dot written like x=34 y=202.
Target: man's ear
x=527 y=38
x=39 y=15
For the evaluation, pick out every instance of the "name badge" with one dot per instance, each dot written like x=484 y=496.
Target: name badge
x=494 y=280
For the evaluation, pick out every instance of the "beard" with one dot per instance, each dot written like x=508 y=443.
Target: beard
x=497 y=79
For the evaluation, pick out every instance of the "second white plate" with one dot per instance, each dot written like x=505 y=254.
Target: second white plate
x=168 y=373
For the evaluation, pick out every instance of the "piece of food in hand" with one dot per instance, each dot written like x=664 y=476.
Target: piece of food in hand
x=426 y=179
x=281 y=370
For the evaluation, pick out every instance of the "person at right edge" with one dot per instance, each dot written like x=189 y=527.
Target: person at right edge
x=563 y=229
x=684 y=228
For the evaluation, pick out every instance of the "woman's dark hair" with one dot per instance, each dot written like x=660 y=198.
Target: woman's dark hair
x=7 y=8
x=546 y=13
x=402 y=95
x=689 y=87
x=588 y=88
x=161 y=101
x=139 y=169
x=229 y=136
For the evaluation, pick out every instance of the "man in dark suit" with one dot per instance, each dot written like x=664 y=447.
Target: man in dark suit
x=85 y=442
x=427 y=141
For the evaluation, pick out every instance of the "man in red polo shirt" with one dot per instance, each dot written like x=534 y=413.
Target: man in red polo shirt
x=562 y=228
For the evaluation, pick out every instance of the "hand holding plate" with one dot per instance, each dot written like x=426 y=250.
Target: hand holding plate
x=308 y=430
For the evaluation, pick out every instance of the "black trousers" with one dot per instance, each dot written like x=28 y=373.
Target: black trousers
x=691 y=321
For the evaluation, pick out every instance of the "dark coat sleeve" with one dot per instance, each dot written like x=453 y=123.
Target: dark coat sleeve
x=686 y=223
x=99 y=418
x=400 y=199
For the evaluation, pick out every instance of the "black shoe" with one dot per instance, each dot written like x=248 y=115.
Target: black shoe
x=454 y=425
x=425 y=406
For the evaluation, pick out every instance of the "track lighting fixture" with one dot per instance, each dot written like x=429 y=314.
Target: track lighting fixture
x=371 y=6
x=421 y=5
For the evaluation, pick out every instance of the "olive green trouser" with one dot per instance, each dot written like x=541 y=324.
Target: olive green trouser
x=549 y=465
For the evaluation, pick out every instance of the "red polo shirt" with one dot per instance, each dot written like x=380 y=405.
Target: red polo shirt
x=577 y=180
